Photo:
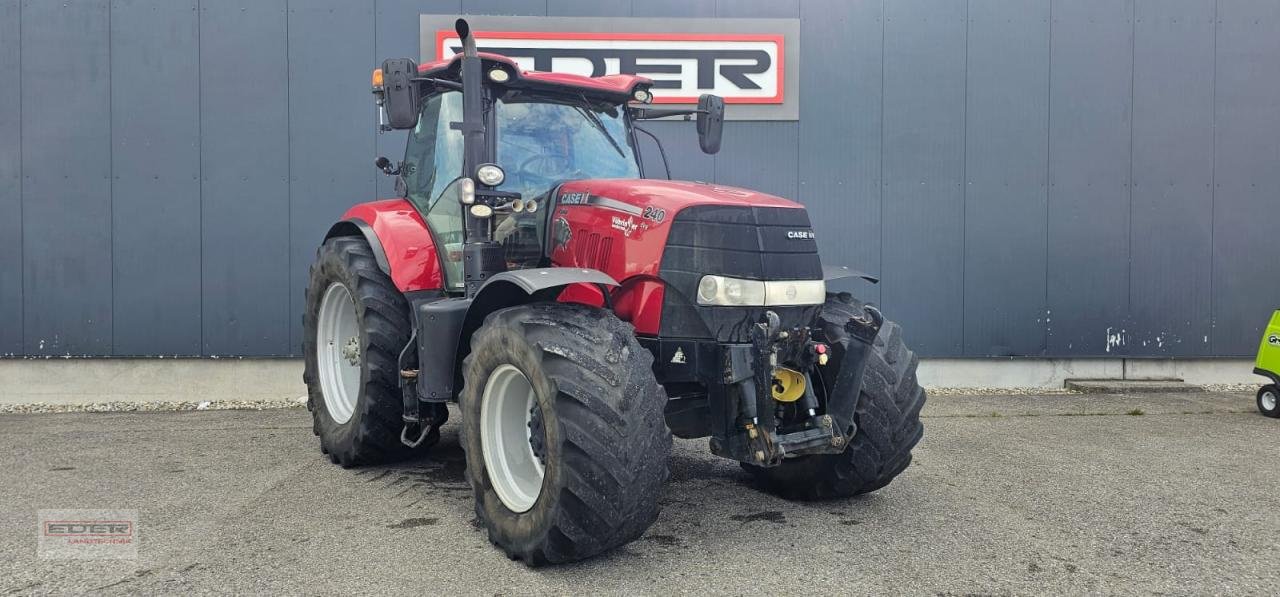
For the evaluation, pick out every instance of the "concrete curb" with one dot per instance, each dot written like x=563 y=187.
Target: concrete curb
x=147 y=380
x=96 y=381
x=1131 y=386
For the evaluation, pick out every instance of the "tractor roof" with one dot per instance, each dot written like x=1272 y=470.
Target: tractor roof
x=614 y=87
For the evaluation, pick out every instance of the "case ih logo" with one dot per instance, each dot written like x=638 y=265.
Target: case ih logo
x=741 y=68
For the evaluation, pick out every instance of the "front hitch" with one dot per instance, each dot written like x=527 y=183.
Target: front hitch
x=749 y=373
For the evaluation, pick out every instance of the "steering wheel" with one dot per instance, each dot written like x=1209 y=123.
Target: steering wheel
x=545 y=166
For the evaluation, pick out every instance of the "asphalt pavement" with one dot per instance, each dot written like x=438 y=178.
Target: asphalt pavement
x=1172 y=494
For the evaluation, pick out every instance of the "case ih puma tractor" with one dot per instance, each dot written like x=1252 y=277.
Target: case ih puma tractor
x=580 y=314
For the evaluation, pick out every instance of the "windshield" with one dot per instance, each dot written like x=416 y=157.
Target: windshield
x=543 y=141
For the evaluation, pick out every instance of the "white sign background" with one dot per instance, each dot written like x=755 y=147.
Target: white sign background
x=436 y=39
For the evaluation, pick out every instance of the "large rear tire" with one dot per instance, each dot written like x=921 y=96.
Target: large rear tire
x=564 y=433
x=355 y=324
x=887 y=417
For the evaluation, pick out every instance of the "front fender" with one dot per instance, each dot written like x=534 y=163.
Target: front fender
x=517 y=287
x=445 y=326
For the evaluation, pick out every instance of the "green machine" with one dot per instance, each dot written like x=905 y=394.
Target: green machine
x=1268 y=365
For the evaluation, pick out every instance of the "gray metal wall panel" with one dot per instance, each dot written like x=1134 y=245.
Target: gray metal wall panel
x=155 y=159
x=1246 y=272
x=839 y=165
x=10 y=179
x=972 y=247
x=67 y=178
x=244 y=98
x=757 y=9
x=591 y=8
x=923 y=152
x=759 y=155
x=673 y=8
x=533 y=8
x=396 y=36
x=1007 y=140
x=1089 y=135
x=330 y=138
x=1170 y=279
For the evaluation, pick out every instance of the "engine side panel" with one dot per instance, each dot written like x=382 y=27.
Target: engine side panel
x=406 y=242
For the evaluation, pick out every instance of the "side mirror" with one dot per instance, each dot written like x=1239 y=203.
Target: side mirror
x=399 y=93
x=710 y=122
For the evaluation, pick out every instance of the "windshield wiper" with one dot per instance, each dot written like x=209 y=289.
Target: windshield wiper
x=599 y=125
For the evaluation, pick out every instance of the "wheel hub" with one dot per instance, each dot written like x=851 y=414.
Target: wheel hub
x=1269 y=400
x=537 y=434
x=351 y=351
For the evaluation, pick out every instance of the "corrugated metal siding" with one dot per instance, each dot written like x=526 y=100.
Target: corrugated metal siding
x=1246 y=194
x=1090 y=113
x=10 y=179
x=1006 y=191
x=155 y=162
x=66 y=171
x=1026 y=176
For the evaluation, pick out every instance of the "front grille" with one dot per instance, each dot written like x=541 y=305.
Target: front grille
x=757 y=243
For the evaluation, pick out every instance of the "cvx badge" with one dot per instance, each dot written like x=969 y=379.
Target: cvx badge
x=1273 y=340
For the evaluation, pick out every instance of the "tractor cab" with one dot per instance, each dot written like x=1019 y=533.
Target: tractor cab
x=539 y=140
x=529 y=132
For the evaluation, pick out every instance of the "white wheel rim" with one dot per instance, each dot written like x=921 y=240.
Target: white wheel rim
x=339 y=352
x=514 y=471
x=1268 y=401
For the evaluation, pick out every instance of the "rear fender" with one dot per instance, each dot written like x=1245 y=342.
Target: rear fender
x=401 y=242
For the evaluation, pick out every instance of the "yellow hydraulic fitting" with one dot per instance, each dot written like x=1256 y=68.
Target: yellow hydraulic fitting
x=788 y=384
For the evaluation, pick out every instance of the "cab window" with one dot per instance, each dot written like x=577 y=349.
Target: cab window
x=543 y=141
x=432 y=161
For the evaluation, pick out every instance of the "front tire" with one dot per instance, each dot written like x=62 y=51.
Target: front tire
x=354 y=326
x=1269 y=401
x=887 y=417
x=564 y=433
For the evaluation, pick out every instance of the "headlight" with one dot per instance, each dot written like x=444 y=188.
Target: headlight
x=467 y=191
x=719 y=290
x=490 y=174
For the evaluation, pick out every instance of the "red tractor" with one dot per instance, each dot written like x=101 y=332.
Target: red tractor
x=579 y=314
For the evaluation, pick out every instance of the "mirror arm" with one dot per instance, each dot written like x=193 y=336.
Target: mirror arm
x=651 y=113
x=447 y=84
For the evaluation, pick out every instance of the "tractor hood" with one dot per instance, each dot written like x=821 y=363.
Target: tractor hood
x=631 y=227
x=678 y=232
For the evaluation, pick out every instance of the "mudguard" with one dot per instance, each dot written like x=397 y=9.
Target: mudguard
x=445 y=326
x=840 y=272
